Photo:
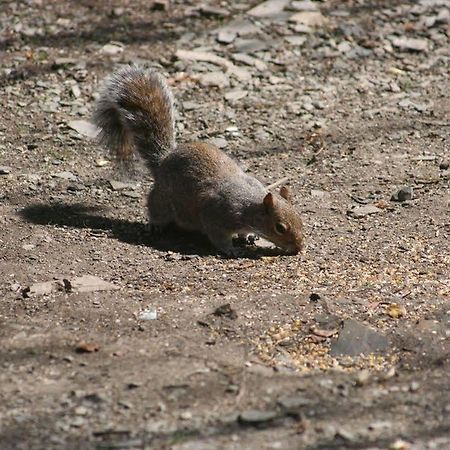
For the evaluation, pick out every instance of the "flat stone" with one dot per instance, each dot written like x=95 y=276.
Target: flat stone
x=69 y=176
x=363 y=211
x=120 y=186
x=197 y=55
x=226 y=36
x=410 y=44
x=43 y=288
x=88 y=283
x=84 y=128
x=268 y=8
x=250 y=45
x=309 y=18
x=292 y=402
x=296 y=40
x=356 y=338
x=214 y=79
x=235 y=95
x=253 y=417
x=305 y=5
x=219 y=142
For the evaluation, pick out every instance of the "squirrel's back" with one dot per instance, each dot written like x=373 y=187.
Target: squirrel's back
x=135 y=112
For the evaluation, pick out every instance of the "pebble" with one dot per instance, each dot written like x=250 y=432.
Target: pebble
x=404 y=194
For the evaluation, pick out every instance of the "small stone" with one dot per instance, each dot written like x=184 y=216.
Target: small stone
x=69 y=176
x=443 y=165
x=117 y=12
x=362 y=377
x=5 y=170
x=296 y=40
x=292 y=402
x=186 y=415
x=305 y=5
x=120 y=186
x=250 y=45
x=443 y=16
x=149 y=314
x=101 y=162
x=363 y=211
x=76 y=92
x=225 y=311
x=211 y=11
x=219 y=142
x=404 y=194
x=235 y=95
x=88 y=283
x=268 y=8
x=356 y=338
x=43 y=288
x=410 y=44
x=253 y=417
x=112 y=48
x=64 y=62
x=226 y=36
x=214 y=79
x=312 y=19
x=160 y=5
x=84 y=127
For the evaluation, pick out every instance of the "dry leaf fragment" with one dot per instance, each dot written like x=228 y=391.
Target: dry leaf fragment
x=395 y=311
x=87 y=347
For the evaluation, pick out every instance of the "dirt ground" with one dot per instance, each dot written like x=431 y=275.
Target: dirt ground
x=187 y=349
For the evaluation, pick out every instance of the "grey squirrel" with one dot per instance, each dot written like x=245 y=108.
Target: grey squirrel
x=196 y=185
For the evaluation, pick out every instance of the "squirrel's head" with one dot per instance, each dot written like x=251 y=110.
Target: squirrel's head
x=282 y=222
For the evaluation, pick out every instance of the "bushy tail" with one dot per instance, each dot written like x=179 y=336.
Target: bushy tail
x=135 y=112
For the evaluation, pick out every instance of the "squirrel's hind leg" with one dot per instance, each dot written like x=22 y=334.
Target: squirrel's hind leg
x=159 y=210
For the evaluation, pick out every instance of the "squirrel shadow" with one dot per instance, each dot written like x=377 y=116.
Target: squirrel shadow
x=135 y=233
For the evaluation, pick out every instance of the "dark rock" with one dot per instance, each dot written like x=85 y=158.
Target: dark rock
x=356 y=338
x=225 y=311
x=253 y=417
x=403 y=194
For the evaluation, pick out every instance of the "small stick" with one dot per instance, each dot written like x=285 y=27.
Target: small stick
x=278 y=183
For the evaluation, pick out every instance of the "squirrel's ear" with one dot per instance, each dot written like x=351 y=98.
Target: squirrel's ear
x=285 y=193
x=269 y=201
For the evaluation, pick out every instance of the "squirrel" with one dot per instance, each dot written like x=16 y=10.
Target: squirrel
x=196 y=185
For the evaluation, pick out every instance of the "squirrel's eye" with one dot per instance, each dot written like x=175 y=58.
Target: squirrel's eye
x=280 y=228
